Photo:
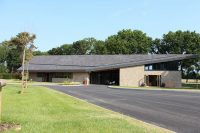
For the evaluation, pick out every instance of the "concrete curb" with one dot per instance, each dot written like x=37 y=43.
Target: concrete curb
x=156 y=89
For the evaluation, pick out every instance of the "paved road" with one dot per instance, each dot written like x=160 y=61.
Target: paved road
x=177 y=111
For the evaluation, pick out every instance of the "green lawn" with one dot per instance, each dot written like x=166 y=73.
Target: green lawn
x=41 y=110
x=191 y=86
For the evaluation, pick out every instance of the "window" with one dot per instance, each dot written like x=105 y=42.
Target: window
x=170 y=66
x=148 y=67
x=62 y=75
x=56 y=75
x=40 y=75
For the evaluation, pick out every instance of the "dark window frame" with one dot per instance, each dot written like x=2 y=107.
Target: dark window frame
x=40 y=75
x=68 y=75
x=163 y=66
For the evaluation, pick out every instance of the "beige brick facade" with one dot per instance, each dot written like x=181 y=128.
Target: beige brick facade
x=130 y=76
x=134 y=76
x=79 y=77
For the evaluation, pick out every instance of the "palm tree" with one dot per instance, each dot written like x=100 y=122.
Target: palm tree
x=23 y=40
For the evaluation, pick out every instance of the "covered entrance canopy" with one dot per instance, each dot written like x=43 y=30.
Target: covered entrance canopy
x=108 y=77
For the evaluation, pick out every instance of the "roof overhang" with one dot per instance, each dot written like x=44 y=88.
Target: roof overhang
x=129 y=63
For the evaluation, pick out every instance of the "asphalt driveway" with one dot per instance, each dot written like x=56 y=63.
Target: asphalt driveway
x=174 y=110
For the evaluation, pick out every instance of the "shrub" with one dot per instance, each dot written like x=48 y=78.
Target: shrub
x=67 y=82
x=143 y=84
x=16 y=76
x=9 y=76
x=163 y=85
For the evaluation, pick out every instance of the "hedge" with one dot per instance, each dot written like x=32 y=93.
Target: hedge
x=10 y=76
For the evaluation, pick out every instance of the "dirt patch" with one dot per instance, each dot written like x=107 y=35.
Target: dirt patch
x=9 y=126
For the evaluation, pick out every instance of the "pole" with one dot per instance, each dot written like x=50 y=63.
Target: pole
x=27 y=75
x=23 y=60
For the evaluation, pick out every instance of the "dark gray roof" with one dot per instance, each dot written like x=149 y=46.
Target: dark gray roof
x=80 y=63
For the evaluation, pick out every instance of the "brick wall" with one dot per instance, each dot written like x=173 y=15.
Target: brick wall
x=134 y=76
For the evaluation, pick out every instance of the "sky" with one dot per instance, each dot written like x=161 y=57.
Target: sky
x=57 y=22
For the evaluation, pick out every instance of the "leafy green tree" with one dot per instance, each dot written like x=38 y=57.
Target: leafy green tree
x=3 y=51
x=3 y=56
x=179 y=42
x=85 y=46
x=65 y=49
x=128 y=42
x=99 y=48
x=13 y=59
x=9 y=54
x=38 y=52
x=197 y=71
x=55 y=51
x=3 y=69
x=81 y=47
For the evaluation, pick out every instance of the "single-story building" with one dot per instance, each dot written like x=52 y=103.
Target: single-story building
x=123 y=70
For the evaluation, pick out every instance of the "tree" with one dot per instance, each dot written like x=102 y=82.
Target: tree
x=197 y=71
x=55 y=51
x=3 y=51
x=65 y=49
x=3 y=56
x=99 y=48
x=84 y=47
x=179 y=42
x=36 y=53
x=13 y=59
x=89 y=46
x=23 y=41
x=9 y=55
x=81 y=47
x=128 y=42
x=189 y=72
x=3 y=68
